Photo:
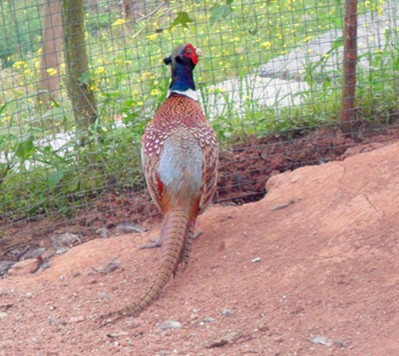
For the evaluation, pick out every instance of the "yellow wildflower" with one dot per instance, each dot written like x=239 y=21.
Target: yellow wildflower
x=19 y=65
x=266 y=44
x=308 y=38
x=118 y=22
x=52 y=71
x=100 y=70
x=152 y=37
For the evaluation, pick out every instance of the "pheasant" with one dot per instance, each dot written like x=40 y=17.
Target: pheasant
x=180 y=156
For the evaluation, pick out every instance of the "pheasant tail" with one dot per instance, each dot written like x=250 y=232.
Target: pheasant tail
x=174 y=232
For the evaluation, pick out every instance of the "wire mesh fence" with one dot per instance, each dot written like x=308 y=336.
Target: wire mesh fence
x=81 y=79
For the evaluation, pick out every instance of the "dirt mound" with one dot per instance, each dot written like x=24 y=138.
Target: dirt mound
x=312 y=269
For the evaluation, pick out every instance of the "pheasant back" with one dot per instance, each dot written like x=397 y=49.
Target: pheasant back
x=179 y=155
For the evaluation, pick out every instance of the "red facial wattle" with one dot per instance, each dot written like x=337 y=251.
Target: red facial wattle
x=191 y=52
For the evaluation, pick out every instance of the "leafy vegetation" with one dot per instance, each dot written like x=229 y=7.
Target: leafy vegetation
x=43 y=167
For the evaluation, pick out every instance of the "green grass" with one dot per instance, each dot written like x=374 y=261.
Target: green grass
x=20 y=24
x=130 y=82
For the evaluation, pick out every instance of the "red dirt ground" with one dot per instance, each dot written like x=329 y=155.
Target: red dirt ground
x=311 y=269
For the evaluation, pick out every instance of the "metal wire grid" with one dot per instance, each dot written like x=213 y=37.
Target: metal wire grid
x=267 y=67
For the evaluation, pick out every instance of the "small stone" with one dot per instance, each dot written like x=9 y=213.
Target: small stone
x=103 y=232
x=295 y=179
x=132 y=324
x=216 y=343
x=129 y=227
x=4 y=307
x=297 y=310
x=53 y=321
x=226 y=312
x=322 y=340
x=45 y=265
x=65 y=240
x=341 y=343
x=104 y=295
x=24 y=267
x=256 y=259
x=193 y=316
x=232 y=336
x=263 y=328
x=3 y=315
x=118 y=333
x=76 y=319
x=29 y=295
x=208 y=319
x=229 y=338
x=61 y=250
x=33 y=253
x=170 y=325
x=109 y=267
x=5 y=266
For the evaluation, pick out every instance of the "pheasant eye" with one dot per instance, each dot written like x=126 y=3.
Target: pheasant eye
x=189 y=50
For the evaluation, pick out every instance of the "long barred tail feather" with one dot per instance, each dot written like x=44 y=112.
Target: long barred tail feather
x=174 y=231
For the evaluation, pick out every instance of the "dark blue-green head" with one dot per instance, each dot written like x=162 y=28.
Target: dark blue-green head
x=183 y=61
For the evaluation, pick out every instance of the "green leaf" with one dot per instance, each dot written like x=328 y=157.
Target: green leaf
x=339 y=42
x=54 y=179
x=182 y=18
x=3 y=170
x=219 y=12
x=24 y=149
x=72 y=185
x=85 y=77
x=3 y=107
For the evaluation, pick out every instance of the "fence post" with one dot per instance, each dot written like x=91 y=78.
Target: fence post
x=349 y=66
x=49 y=83
x=77 y=68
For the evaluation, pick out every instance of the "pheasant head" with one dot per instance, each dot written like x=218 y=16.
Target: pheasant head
x=182 y=61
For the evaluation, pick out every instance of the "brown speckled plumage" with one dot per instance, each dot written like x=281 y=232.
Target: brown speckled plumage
x=179 y=154
x=179 y=113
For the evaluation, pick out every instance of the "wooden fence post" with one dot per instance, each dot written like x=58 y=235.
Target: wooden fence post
x=347 y=111
x=77 y=69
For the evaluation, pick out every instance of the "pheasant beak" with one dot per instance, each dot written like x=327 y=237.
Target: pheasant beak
x=198 y=52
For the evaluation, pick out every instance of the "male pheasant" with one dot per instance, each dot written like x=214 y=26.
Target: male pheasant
x=179 y=156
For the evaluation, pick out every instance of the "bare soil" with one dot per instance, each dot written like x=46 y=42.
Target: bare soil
x=310 y=269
